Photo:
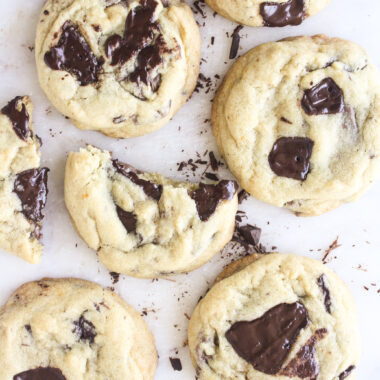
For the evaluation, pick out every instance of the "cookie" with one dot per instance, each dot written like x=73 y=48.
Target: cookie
x=23 y=183
x=282 y=316
x=71 y=329
x=298 y=122
x=119 y=67
x=143 y=224
x=267 y=13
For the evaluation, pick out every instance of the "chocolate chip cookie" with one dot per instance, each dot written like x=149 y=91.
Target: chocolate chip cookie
x=281 y=316
x=71 y=329
x=123 y=68
x=298 y=122
x=23 y=183
x=267 y=13
x=143 y=224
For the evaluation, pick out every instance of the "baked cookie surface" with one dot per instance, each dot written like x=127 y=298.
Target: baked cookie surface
x=298 y=122
x=71 y=329
x=267 y=13
x=143 y=224
x=23 y=183
x=123 y=68
x=281 y=317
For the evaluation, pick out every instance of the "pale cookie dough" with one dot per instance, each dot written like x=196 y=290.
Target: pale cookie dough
x=280 y=317
x=71 y=329
x=122 y=68
x=298 y=122
x=143 y=224
x=267 y=13
x=23 y=183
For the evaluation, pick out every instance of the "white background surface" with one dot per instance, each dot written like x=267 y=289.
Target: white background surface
x=357 y=224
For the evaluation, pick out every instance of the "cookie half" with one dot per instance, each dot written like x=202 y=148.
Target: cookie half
x=282 y=316
x=71 y=329
x=267 y=13
x=23 y=183
x=298 y=122
x=143 y=224
x=122 y=68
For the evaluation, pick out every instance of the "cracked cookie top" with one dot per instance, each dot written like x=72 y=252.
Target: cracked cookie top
x=120 y=67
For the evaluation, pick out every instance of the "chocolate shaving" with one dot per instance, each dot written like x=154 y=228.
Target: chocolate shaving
x=235 y=42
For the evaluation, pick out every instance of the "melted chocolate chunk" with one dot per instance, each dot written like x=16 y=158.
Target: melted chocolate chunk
x=139 y=40
x=291 y=12
x=73 y=54
x=85 y=330
x=128 y=219
x=251 y=234
x=150 y=189
x=208 y=197
x=347 y=372
x=40 y=373
x=176 y=364
x=324 y=98
x=31 y=187
x=265 y=342
x=322 y=283
x=290 y=157
x=304 y=364
x=18 y=115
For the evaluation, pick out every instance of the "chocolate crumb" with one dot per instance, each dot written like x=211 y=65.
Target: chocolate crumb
x=115 y=277
x=176 y=364
x=242 y=196
x=213 y=161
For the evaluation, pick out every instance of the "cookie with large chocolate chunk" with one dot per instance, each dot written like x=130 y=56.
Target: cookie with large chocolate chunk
x=271 y=316
x=23 y=183
x=143 y=224
x=267 y=13
x=123 y=68
x=298 y=122
x=71 y=329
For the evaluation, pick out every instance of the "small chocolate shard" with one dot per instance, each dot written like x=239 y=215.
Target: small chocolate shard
x=176 y=364
x=235 y=42
x=85 y=330
x=28 y=328
x=208 y=197
x=128 y=219
x=325 y=98
x=115 y=277
x=242 y=196
x=266 y=342
x=47 y=373
x=251 y=234
x=73 y=54
x=323 y=284
x=18 y=115
x=290 y=157
x=213 y=161
x=31 y=188
x=347 y=372
x=291 y=12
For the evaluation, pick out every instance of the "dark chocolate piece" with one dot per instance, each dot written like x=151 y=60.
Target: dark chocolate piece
x=208 y=197
x=40 y=373
x=291 y=12
x=128 y=219
x=290 y=157
x=150 y=189
x=213 y=161
x=251 y=234
x=347 y=372
x=31 y=187
x=325 y=98
x=323 y=284
x=242 y=196
x=235 y=42
x=18 y=115
x=304 y=364
x=73 y=54
x=266 y=342
x=85 y=330
x=176 y=364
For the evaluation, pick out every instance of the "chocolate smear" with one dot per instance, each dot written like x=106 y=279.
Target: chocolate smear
x=323 y=284
x=73 y=54
x=18 y=115
x=208 y=197
x=40 y=373
x=347 y=372
x=176 y=364
x=31 y=188
x=128 y=219
x=150 y=189
x=85 y=330
x=266 y=342
x=291 y=12
x=251 y=234
x=235 y=42
x=290 y=157
x=325 y=98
